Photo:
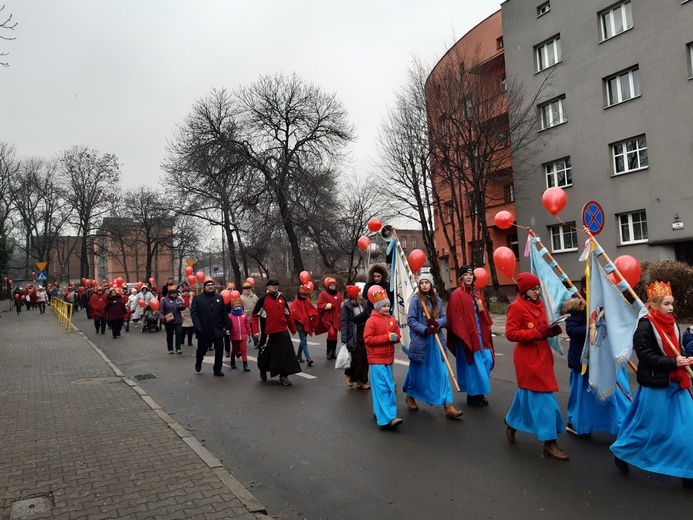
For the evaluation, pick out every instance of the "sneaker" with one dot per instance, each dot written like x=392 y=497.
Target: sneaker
x=300 y=359
x=570 y=429
x=170 y=351
x=218 y=373
x=228 y=355
x=394 y=423
x=179 y=352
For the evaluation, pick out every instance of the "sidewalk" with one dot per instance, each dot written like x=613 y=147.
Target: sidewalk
x=82 y=441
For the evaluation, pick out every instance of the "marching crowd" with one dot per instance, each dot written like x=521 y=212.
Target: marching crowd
x=652 y=426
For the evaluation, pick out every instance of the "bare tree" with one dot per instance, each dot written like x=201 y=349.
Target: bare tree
x=6 y=25
x=9 y=166
x=404 y=161
x=91 y=181
x=475 y=115
x=186 y=239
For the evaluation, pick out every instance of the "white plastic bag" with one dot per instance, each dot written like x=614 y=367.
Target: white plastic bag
x=343 y=358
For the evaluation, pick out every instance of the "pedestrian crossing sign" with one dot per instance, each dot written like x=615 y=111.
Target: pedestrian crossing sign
x=41 y=276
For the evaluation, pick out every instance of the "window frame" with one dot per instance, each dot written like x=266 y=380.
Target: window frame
x=509 y=193
x=624 y=153
x=689 y=54
x=541 y=11
x=539 y=52
x=567 y=229
x=561 y=112
x=633 y=75
x=631 y=227
x=625 y=13
x=567 y=171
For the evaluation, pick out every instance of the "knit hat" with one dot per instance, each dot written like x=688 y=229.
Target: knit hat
x=465 y=269
x=425 y=276
x=329 y=281
x=525 y=281
x=380 y=299
x=352 y=291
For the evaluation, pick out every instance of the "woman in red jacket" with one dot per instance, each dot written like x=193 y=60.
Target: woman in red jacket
x=330 y=311
x=114 y=311
x=305 y=317
x=535 y=408
x=380 y=336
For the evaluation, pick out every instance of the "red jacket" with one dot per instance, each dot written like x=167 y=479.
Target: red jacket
x=332 y=318
x=276 y=312
x=240 y=327
x=304 y=312
x=380 y=350
x=97 y=304
x=532 y=357
x=114 y=308
x=462 y=324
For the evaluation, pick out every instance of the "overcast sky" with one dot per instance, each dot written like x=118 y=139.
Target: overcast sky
x=117 y=75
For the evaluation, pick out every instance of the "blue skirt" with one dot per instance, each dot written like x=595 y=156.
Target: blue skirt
x=589 y=414
x=536 y=412
x=383 y=394
x=474 y=378
x=429 y=381
x=656 y=431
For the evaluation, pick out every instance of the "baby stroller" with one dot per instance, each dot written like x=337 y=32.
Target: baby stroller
x=150 y=320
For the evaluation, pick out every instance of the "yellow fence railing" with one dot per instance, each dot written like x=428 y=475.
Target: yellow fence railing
x=63 y=311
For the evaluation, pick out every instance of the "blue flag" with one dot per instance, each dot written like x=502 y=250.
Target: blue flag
x=612 y=322
x=553 y=292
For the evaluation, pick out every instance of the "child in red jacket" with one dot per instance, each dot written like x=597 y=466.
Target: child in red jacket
x=380 y=336
x=240 y=330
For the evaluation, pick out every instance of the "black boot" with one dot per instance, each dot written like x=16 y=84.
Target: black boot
x=245 y=367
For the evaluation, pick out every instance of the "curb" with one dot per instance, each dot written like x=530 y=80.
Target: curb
x=253 y=505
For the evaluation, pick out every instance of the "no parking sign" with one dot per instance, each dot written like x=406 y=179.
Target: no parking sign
x=593 y=217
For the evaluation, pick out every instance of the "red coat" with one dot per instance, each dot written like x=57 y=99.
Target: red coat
x=240 y=327
x=276 y=312
x=304 y=312
x=462 y=323
x=114 y=308
x=332 y=318
x=380 y=350
x=532 y=357
x=97 y=304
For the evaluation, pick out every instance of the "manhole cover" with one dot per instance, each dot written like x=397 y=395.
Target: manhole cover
x=95 y=380
x=142 y=377
x=31 y=506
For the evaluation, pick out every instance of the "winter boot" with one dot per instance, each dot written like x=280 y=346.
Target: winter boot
x=245 y=367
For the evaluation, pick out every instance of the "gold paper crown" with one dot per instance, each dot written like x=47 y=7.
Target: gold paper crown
x=379 y=296
x=658 y=289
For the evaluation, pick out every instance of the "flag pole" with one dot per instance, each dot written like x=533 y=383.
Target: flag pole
x=425 y=309
x=637 y=298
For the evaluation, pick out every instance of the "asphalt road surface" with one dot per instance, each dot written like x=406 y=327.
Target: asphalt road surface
x=313 y=450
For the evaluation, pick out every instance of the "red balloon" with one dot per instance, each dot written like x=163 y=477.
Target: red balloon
x=33 y=274
x=200 y=276
x=372 y=290
x=119 y=280
x=151 y=281
x=188 y=271
x=417 y=259
x=138 y=285
x=250 y=280
x=93 y=282
x=304 y=277
x=481 y=277
x=141 y=303
x=504 y=219
x=16 y=296
x=235 y=295
x=364 y=242
x=630 y=269
x=554 y=200
x=310 y=286
x=375 y=224
x=191 y=279
x=226 y=296
x=154 y=304
x=504 y=258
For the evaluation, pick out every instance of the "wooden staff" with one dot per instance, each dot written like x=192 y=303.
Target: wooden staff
x=425 y=310
x=637 y=298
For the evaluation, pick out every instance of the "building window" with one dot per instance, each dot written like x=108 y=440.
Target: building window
x=689 y=52
x=630 y=155
x=559 y=173
x=471 y=202
x=547 y=54
x=413 y=242
x=564 y=237
x=478 y=252
x=543 y=9
x=512 y=242
x=552 y=113
x=633 y=227
x=504 y=82
x=499 y=43
x=622 y=86
x=509 y=192
x=616 y=20
x=403 y=243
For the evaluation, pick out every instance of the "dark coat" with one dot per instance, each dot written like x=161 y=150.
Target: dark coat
x=576 y=328
x=209 y=315
x=350 y=322
x=687 y=343
x=653 y=365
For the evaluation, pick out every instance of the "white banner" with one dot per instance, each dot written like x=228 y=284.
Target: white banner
x=403 y=289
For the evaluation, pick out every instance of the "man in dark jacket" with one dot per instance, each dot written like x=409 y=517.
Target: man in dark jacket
x=208 y=313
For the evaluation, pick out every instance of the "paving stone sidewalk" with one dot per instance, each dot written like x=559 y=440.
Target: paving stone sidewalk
x=84 y=442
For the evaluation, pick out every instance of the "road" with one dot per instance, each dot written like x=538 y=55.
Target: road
x=313 y=450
